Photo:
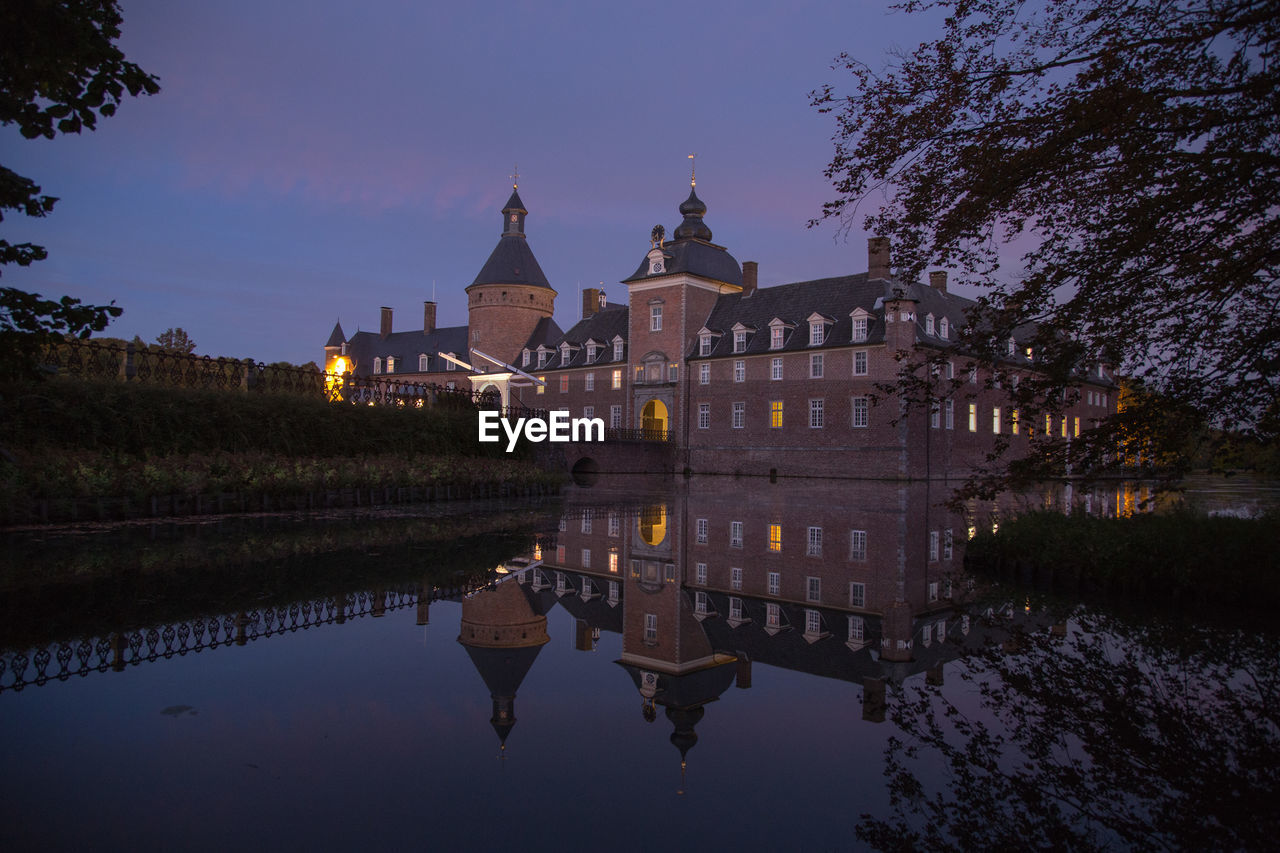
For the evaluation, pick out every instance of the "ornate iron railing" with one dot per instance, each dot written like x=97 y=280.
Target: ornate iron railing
x=637 y=435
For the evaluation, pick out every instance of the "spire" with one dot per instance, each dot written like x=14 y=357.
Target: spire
x=513 y=215
x=337 y=338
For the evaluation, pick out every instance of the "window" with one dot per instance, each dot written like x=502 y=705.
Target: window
x=933 y=591
x=775 y=537
x=613 y=561
x=655 y=318
x=617 y=380
x=735 y=578
x=586 y=523
x=775 y=414
x=564 y=383
x=813 y=589
x=934 y=539
x=1064 y=426
x=524 y=358
x=776 y=334
x=775 y=369
x=816 y=414
x=949 y=418
x=926 y=635
x=739 y=415
x=615 y=524
x=973 y=376
x=704 y=416
x=739 y=341
x=651 y=628
x=740 y=371
x=562 y=585
x=935 y=413
x=735 y=609
x=700 y=574
x=775 y=583
x=973 y=417
x=735 y=534
x=422 y=362
x=944 y=328
x=704 y=345
x=857 y=595
x=858 y=545
x=613 y=591
x=377 y=365
x=564 y=355
x=702 y=531
x=1077 y=427
x=816 y=329
x=995 y=420
x=591 y=354
x=560 y=554
x=860 y=407
x=542 y=360
x=1048 y=425
x=1013 y=422
x=617 y=350
x=673 y=372
x=859 y=329
x=615 y=417
x=700 y=603
x=812 y=622
x=1013 y=346
x=586 y=558
x=815 y=365
x=946 y=544
x=589 y=382
x=857 y=630
x=391 y=364
x=928 y=324
x=860 y=362
x=814 y=546
x=772 y=615
x=704 y=373
x=951 y=370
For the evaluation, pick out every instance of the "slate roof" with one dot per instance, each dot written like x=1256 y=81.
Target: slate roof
x=405 y=347
x=336 y=339
x=601 y=327
x=547 y=333
x=512 y=262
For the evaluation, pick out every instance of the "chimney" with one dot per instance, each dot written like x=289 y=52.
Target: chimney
x=591 y=301
x=938 y=280
x=386 y=322
x=428 y=317
x=878 y=257
x=750 y=276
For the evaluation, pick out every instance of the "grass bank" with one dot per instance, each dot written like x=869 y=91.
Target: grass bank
x=1179 y=559
x=80 y=450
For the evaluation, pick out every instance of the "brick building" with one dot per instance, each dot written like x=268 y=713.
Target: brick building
x=742 y=379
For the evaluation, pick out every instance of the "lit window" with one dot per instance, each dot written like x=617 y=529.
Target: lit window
x=613 y=562
x=1048 y=425
x=973 y=417
x=700 y=574
x=560 y=554
x=735 y=534
x=813 y=589
x=616 y=384
x=589 y=382
x=391 y=364
x=704 y=345
x=857 y=630
x=775 y=414
x=739 y=415
x=858 y=545
x=775 y=369
x=1064 y=426
x=564 y=383
x=772 y=615
x=857 y=595
x=995 y=420
x=704 y=416
x=1013 y=422
x=542 y=389
x=775 y=537
x=934 y=539
x=860 y=363
x=377 y=365
x=816 y=414
x=735 y=578
x=815 y=365
x=775 y=337
x=655 y=318
x=859 y=329
x=704 y=373
x=815 y=333
x=673 y=372
x=814 y=546
x=812 y=622
x=740 y=371
x=1077 y=427
x=615 y=417
x=422 y=363
x=775 y=583
x=740 y=341
x=861 y=405
x=651 y=628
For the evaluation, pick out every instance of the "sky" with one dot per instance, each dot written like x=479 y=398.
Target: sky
x=309 y=162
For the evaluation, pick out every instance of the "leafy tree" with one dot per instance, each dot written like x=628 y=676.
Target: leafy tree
x=1131 y=152
x=176 y=340
x=59 y=71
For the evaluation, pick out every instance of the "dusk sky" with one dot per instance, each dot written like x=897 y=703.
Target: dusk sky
x=306 y=162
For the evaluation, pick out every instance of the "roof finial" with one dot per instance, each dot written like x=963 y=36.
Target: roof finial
x=515 y=177
x=693 y=170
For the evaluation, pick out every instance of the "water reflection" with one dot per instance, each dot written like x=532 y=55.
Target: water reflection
x=667 y=639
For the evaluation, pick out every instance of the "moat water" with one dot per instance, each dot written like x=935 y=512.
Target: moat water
x=707 y=665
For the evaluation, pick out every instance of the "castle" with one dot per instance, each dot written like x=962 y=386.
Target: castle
x=739 y=379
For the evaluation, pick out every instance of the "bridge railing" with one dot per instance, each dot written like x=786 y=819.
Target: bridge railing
x=637 y=435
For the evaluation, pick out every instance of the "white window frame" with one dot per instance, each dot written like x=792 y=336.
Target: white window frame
x=703 y=531
x=423 y=361
x=861 y=412
x=775 y=583
x=651 y=628
x=735 y=578
x=775 y=369
x=860 y=361
x=815 y=365
x=735 y=534
x=860 y=325
x=704 y=373
x=589 y=382
x=813 y=547
x=813 y=589
x=817 y=413
x=740 y=340
x=700 y=574
x=655 y=318
x=740 y=370
x=858 y=545
x=615 y=417
x=739 y=415
x=777 y=336
x=704 y=416
x=857 y=594
x=817 y=332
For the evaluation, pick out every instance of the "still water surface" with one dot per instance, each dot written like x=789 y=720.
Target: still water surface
x=301 y=683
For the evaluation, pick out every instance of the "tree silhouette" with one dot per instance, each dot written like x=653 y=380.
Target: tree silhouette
x=176 y=340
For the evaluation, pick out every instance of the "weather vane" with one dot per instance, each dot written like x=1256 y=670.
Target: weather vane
x=693 y=170
x=515 y=177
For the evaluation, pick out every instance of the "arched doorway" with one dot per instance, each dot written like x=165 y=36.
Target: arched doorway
x=653 y=524
x=653 y=419
x=490 y=397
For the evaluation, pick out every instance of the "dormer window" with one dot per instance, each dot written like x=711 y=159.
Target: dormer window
x=377 y=365
x=859 y=329
x=1031 y=353
x=449 y=365
x=776 y=335
x=542 y=358
x=391 y=364
x=525 y=358
x=816 y=330
x=1013 y=346
x=740 y=341
x=928 y=324
x=422 y=362
x=564 y=355
x=704 y=344
x=617 y=349
x=1101 y=373
x=944 y=328
x=591 y=352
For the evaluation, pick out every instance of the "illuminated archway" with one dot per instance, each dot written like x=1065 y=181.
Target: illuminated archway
x=653 y=419
x=653 y=523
